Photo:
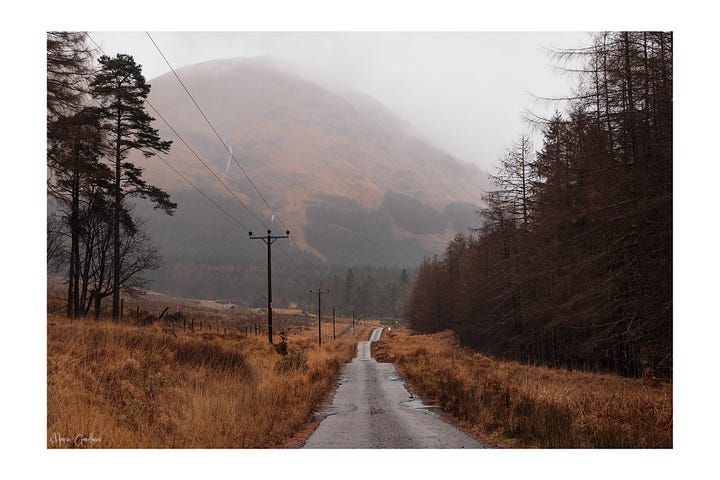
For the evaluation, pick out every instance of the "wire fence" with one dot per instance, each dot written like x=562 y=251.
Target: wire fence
x=240 y=325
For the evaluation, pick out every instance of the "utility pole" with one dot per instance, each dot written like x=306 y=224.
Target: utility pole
x=319 y=293
x=333 y=322
x=269 y=240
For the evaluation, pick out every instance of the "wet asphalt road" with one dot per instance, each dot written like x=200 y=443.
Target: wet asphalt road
x=372 y=409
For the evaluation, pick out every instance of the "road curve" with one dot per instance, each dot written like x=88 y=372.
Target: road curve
x=372 y=409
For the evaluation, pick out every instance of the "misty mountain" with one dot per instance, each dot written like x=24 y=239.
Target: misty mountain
x=345 y=175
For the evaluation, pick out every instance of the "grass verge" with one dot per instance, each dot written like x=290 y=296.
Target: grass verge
x=122 y=386
x=524 y=406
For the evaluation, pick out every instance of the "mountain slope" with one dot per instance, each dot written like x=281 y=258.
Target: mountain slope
x=307 y=148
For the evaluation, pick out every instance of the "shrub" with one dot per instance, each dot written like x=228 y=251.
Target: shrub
x=282 y=347
x=292 y=362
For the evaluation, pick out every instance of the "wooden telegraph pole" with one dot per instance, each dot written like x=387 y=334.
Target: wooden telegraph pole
x=319 y=293
x=269 y=240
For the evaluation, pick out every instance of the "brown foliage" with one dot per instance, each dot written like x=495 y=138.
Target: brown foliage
x=164 y=387
x=575 y=269
x=525 y=406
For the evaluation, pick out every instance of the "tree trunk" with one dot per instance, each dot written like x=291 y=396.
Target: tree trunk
x=98 y=302
x=116 y=224
x=75 y=227
x=100 y=284
x=71 y=279
x=84 y=301
x=523 y=171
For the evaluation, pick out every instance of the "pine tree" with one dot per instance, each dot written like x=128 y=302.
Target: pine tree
x=121 y=88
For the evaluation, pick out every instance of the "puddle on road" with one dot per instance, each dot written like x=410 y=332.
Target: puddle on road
x=329 y=410
x=342 y=378
x=414 y=403
x=418 y=405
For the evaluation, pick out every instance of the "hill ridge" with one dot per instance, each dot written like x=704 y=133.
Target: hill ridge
x=298 y=139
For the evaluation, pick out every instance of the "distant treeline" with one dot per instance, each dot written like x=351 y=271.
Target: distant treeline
x=207 y=256
x=573 y=264
x=370 y=291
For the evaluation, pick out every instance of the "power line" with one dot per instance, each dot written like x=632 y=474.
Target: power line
x=225 y=146
x=220 y=180
x=205 y=164
x=203 y=193
x=212 y=127
x=160 y=156
x=289 y=257
x=235 y=220
x=157 y=112
x=255 y=187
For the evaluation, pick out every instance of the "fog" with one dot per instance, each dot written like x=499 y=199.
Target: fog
x=464 y=92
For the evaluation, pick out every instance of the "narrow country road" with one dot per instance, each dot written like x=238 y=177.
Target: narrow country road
x=372 y=409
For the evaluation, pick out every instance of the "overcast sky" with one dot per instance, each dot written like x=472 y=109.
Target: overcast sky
x=465 y=92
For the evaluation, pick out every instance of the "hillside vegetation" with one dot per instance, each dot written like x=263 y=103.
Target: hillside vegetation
x=301 y=144
x=116 y=385
x=524 y=406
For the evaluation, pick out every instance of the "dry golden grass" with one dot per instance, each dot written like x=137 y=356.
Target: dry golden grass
x=524 y=406
x=122 y=386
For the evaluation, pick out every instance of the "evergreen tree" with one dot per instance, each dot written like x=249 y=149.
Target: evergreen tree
x=121 y=89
